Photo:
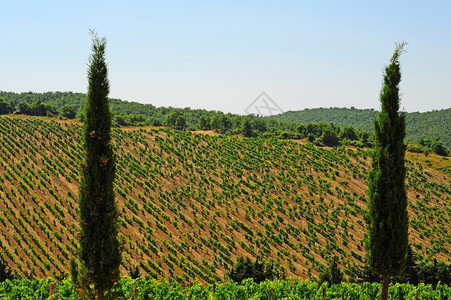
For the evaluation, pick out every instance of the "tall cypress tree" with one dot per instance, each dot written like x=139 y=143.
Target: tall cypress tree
x=388 y=219
x=99 y=251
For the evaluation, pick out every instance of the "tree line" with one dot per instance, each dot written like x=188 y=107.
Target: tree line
x=419 y=126
x=319 y=133
x=426 y=270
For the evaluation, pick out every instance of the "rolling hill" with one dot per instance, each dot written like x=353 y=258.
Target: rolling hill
x=192 y=202
x=424 y=125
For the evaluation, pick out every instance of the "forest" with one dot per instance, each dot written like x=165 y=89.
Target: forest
x=426 y=125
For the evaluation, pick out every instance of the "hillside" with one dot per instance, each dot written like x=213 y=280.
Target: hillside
x=191 y=203
x=426 y=125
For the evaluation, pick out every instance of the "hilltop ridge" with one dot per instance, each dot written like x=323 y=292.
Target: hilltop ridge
x=419 y=125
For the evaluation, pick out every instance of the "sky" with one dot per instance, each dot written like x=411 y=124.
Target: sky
x=224 y=55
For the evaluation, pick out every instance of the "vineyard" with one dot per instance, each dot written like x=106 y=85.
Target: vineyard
x=285 y=289
x=191 y=203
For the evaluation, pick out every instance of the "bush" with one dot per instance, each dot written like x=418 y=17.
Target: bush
x=176 y=120
x=438 y=148
x=6 y=106
x=435 y=146
x=414 y=148
x=5 y=271
x=245 y=268
x=432 y=272
x=332 y=274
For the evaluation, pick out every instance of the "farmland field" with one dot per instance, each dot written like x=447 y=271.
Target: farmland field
x=191 y=203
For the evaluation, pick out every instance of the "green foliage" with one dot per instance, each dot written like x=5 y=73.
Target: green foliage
x=439 y=149
x=435 y=124
x=332 y=274
x=135 y=273
x=133 y=120
x=74 y=275
x=330 y=135
x=356 y=118
x=221 y=123
x=388 y=219
x=428 y=125
x=176 y=120
x=55 y=99
x=366 y=274
x=37 y=108
x=30 y=289
x=434 y=271
x=424 y=125
x=252 y=126
x=6 y=106
x=417 y=148
x=246 y=128
x=245 y=268
x=204 y=123
x=427 y=145
x=427 y=271
x=23 y=108
x=99 y=254
x=410 y=272
x=5 y=271
x=279 y=289
x=349 y=133
x=68 y=111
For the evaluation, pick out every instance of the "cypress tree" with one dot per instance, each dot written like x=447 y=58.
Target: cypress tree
x=99 y=252
x=388 y=219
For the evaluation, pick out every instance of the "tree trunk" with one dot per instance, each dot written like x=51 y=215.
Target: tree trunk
x=52 y=290
x=384 y=292
x=100 y=295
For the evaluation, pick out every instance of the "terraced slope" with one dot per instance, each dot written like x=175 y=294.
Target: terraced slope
x=192 y=202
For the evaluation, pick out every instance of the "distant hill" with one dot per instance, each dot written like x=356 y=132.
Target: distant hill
x=136 y=111
x=427 y=125
x=357 y=118
x=191 y=203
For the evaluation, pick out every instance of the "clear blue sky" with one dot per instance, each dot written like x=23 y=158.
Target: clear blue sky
x=220 y=55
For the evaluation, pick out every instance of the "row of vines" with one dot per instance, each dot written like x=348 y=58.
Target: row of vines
x=191 y=203
x=296 y=289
